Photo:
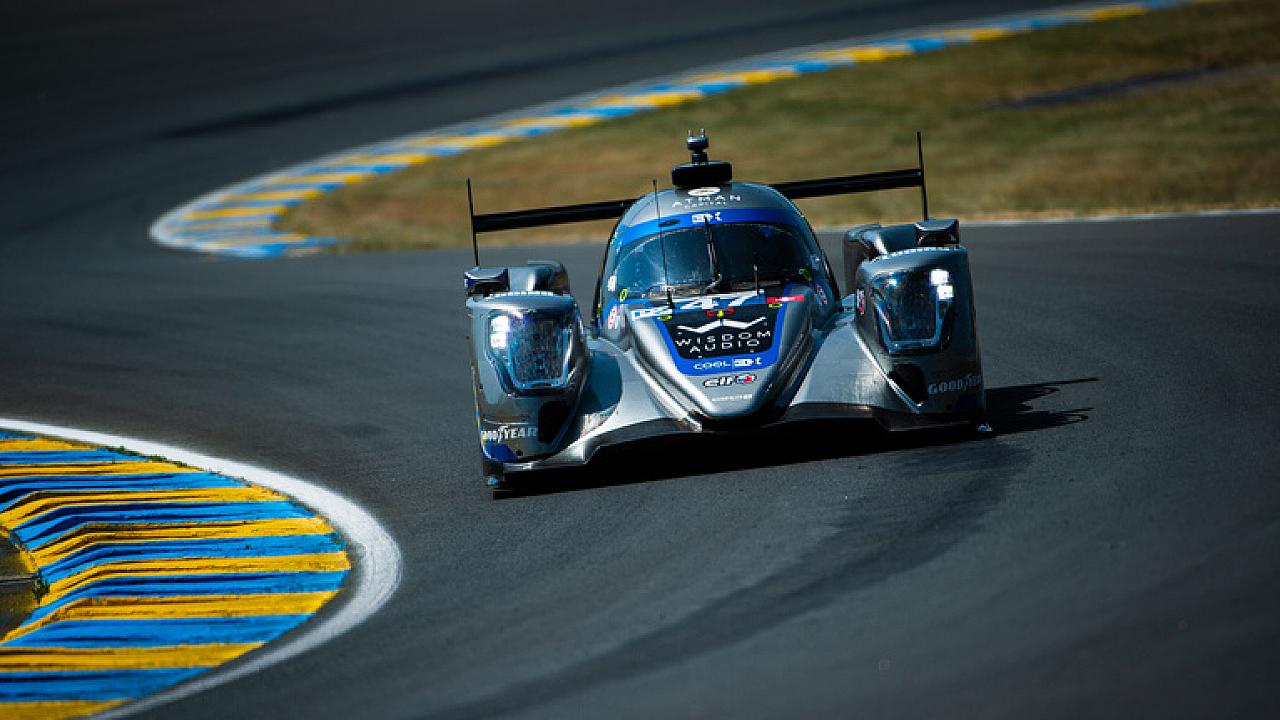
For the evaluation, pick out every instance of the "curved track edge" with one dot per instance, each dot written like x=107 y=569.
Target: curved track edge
x=239 y=220
x=367 y=545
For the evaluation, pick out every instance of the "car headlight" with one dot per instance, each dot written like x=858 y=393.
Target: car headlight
x=941 y=280
x=533 y=349
x=911 y=308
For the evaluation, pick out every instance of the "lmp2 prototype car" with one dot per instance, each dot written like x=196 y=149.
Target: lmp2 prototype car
x=717 y=310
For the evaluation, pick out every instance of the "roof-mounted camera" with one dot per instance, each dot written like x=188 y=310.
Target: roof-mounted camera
x=699 y=171
x=698 y=146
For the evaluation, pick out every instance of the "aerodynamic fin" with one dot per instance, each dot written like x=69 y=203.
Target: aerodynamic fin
x=794 y=190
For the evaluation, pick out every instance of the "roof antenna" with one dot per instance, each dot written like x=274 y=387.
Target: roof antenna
x=471 y=210
x=924 y=194
x=662 y=245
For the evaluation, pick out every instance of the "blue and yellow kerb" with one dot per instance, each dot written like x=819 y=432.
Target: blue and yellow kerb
x=147 y=573
x=240 y=220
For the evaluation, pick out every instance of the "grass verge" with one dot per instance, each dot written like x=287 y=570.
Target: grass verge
x=1205 y=136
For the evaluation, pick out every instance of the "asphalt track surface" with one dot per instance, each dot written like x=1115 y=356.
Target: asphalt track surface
x=1113 y=551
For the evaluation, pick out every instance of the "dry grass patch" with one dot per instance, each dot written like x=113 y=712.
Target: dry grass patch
x=1207 y=143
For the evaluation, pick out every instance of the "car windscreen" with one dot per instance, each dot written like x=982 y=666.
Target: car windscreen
x=680 y=258
x=710 y=258
x=773 y=253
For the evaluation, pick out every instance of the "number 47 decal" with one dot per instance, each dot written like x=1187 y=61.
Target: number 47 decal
x=711 y=302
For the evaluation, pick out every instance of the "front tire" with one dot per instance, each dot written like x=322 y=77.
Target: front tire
x=492 y=473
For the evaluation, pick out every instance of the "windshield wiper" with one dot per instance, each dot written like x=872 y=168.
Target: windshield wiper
x=717 y=276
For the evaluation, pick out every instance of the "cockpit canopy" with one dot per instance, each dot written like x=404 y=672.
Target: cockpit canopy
x=714 y=257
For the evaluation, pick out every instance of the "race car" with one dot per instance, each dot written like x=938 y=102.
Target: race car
x=717 y=310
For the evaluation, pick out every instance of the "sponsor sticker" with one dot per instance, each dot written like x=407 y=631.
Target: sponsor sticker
x=702 y=218
x=737 y=363
x=614 y=319
x=503 y=433
x=713 y=334
x=720 y=322
x=861 y=302
x=968 y=382
x=694 y=201
x=727 y=380
x=704 y=191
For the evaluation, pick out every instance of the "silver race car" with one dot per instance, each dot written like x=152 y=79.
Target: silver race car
x=717 y=310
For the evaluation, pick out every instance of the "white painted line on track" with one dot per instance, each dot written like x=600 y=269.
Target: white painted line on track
x=377 y=565
x=223 y=232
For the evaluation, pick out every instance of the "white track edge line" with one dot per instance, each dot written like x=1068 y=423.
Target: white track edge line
x=161 y=237
x=376 y=556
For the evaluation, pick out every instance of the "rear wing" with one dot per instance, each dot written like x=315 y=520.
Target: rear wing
x=612 y=209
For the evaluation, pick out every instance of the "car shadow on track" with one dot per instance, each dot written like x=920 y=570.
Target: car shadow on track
x=1009 y=410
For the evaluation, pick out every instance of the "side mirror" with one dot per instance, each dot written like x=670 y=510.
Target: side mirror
x=937 y=233
x=486 y=281
x=547 y=275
